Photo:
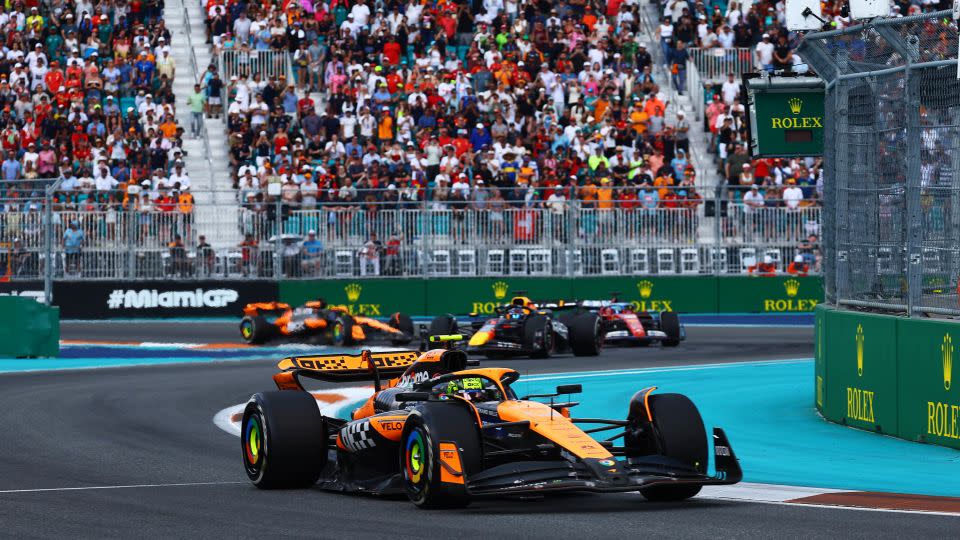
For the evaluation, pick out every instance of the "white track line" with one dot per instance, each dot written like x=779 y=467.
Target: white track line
x=129 y=486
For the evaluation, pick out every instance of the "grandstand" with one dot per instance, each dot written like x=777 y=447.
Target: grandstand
x=451 y=139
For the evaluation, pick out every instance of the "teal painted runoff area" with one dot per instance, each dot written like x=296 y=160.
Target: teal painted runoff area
x=768 y=413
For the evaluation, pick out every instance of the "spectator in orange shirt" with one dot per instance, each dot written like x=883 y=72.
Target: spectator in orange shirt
x=664 y=181
x=605 y=194
x=589 y=18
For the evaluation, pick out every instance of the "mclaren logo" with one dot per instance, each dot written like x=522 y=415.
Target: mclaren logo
x=500 y=290
x=859 y=339
x=946 y=356
x=792 y=287
x=645 y=288
x=353 y=292
x=796 y=104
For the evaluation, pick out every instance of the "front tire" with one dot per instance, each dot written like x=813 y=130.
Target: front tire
x=443 y=325
x=670 y=325
x=283 y=439
x=420 y=465
x=255 y=330
x=543 y=346
x=682 y=438
x=586 y=339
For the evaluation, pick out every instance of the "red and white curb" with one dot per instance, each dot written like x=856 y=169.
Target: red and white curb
x=331 y=403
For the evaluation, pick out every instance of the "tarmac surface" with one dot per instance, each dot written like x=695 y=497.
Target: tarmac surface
x=133 y=452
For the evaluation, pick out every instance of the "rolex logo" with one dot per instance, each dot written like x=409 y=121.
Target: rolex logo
x=946 y=355
x=645 y=288
x=500 y=289
x=796 y=104
x=353 y=291
x=859 y=339
x=792 y=287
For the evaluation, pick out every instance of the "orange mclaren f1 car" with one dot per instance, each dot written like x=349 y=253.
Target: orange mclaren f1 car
x=444 y=433
x=319 y=323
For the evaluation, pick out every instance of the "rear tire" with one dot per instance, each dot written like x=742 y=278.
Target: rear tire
x=683 y=438
x=443 y=325
x=403 y=323
x=420 y=465
x=255 y=330
x=670 y=325
x=542 y=347
x=283 y=439
x=585 y=336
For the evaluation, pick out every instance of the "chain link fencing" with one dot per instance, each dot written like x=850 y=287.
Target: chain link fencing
x=891 y=158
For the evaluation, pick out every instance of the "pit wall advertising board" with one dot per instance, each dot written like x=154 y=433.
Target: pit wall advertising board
x=888 y=374
x=147 y=298
x=381 y=297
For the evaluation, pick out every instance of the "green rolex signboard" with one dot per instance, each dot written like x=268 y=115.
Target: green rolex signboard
x=786 y=116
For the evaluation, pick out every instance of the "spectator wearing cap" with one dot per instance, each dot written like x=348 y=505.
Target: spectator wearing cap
x=311 y=255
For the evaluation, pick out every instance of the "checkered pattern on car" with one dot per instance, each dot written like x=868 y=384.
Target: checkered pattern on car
x=356 y=436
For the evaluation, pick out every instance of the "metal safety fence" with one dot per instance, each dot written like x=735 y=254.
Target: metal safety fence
x=416 y=238
x=891 y=163
x=247 y=62
x=713 y=65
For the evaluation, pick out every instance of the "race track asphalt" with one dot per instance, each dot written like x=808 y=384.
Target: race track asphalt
x=151 y=427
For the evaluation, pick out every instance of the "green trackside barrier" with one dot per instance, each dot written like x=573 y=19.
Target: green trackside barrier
x=929 y=399
x=28 y=328
x=779 y=294
x=694 y=294
x=888 y=374
x=367 y=297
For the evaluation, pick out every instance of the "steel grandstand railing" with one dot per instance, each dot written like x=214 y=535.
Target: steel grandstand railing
x=123 y=240
x=713 y=65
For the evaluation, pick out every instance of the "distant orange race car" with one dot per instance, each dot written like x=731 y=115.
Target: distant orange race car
x=321 y=324
x=444 y=433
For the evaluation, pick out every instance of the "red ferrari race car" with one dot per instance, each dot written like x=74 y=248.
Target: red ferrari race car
x=321 y=324
x=621 y=324
x=444 y=433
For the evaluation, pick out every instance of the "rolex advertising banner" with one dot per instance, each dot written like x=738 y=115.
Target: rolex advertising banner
x=861 y=371
x=778 y=294
x=888 y=374
x=695 y=294
x=367 y=297
x=686 y=295
x=483 y=295
x=929 y=399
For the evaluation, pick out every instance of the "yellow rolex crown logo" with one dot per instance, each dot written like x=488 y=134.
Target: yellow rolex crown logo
x=946 y=354
x=500 y=289
x=645 y=288
x=795 y=105
x=859 y=339
x=792 y=287
x=353 y=291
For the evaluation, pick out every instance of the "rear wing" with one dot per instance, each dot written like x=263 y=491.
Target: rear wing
x=366 y=366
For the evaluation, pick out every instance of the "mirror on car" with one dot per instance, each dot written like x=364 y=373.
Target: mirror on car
x=569 y=389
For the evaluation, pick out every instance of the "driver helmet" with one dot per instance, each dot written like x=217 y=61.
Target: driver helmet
x=469 y=388
x=515 y=313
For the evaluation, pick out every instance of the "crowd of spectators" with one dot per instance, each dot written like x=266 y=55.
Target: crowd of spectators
x=462 y=104
x=86 y=95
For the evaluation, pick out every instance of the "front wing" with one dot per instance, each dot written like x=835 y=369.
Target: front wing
x=540 y=477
